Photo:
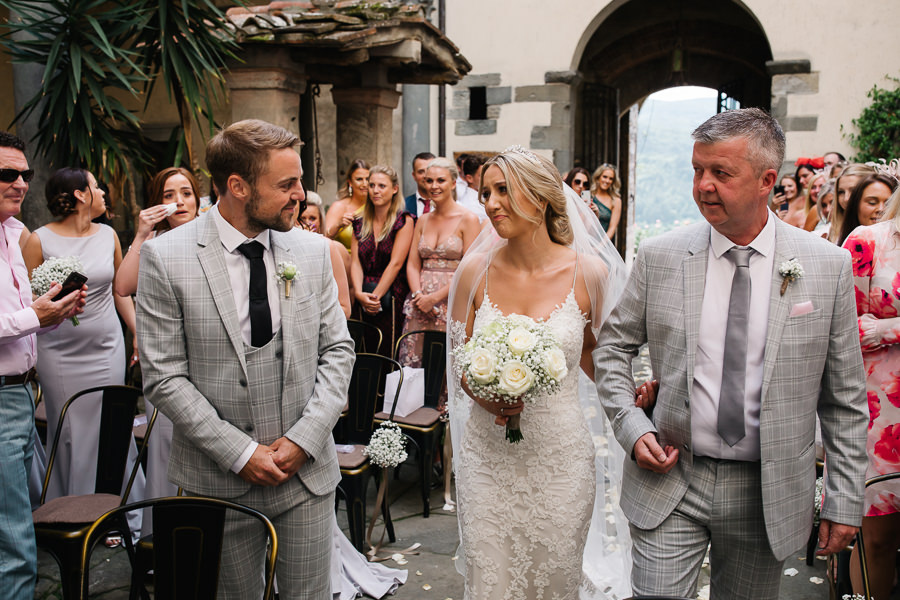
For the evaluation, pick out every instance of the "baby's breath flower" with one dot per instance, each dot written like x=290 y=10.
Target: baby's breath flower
x=387 y=447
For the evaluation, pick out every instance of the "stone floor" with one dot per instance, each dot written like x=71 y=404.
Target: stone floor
x=432 y=573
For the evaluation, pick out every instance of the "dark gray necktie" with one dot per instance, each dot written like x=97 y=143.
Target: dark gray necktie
x=730 y=424
x=260 y=315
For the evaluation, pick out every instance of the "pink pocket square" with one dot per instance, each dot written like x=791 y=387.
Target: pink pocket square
x=801 y=308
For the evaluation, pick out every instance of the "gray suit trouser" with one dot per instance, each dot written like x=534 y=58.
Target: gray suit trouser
x=722 y=510
x=303 y=525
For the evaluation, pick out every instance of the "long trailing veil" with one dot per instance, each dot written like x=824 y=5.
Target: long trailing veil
x=607 y=556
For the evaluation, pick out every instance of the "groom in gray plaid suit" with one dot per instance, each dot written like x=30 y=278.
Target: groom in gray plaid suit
x=252 y=377
x=747 y=350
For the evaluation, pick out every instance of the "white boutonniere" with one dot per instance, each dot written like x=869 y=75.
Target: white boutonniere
x=285 y=272
x=789 y=270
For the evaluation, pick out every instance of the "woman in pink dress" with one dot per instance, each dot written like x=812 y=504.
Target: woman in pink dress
x=876 y=268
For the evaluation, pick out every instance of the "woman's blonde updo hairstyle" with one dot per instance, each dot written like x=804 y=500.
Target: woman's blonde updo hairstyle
x=442 y=162
x=534 y=179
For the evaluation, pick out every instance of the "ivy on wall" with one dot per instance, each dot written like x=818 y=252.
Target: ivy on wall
x=878 y=126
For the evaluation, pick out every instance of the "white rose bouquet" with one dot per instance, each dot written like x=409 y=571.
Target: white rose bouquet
x=54 y=269
x=512 y=358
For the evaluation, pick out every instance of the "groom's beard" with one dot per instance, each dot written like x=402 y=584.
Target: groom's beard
x=281 y=221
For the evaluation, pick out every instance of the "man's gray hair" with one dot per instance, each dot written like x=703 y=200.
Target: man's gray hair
x=763 y=133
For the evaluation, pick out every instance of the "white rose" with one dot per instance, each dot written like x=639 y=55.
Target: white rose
x=515 y=378
x=482 y=365
x=520 y=340
x=555 y=363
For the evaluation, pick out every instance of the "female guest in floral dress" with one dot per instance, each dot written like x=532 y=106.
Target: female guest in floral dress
x=440 y=239
x=876 y=268
x=382 y=234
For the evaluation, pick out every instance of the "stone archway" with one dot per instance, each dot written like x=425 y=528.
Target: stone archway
x=636 y=47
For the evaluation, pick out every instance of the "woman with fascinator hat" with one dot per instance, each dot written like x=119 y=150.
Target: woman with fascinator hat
x=525 y=509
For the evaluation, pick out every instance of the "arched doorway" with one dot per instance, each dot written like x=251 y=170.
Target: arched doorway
x=636 y=47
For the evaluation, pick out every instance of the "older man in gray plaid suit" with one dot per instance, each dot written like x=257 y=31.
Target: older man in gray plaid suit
x=746 y=349
x=252 y=376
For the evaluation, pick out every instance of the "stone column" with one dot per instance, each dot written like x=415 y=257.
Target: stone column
x=270 y=93
x=416 y=130
x=364 y=126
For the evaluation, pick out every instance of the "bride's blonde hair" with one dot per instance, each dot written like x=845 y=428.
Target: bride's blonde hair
x=534 y=179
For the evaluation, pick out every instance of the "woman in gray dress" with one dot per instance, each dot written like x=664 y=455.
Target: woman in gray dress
x=72 y=359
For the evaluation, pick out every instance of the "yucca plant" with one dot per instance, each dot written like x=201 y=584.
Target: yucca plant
x=87 y=58
x=187 y=45
x=95 y=51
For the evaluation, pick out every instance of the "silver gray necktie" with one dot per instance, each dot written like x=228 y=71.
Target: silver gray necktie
x=730 y=424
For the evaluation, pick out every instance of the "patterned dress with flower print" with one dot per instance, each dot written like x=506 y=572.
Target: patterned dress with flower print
x=876 y=268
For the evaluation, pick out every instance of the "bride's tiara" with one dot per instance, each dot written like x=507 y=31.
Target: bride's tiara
x=891 y=169
x=519 y=149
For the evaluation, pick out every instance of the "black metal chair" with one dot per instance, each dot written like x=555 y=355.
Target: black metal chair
x=60 y=525
x=424 y=426
x=188 y=536
x=366 y=336
x=366 y=394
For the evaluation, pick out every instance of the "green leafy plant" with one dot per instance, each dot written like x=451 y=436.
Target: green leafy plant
x=186 y=44
x=83 y=45
x=98 y=51
x=878 y=126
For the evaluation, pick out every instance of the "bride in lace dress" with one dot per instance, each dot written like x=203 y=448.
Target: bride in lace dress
x=527 y=511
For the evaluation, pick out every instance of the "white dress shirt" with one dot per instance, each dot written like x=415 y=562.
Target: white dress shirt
x=238 y=267
x=711 y=345
x=469 y=199
x=18 y=321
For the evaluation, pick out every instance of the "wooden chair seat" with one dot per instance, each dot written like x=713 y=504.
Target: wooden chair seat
x=352 y=460
x=75 y=509
x=424 y=417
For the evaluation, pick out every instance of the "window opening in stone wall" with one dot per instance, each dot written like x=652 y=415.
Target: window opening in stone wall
x=477 y=103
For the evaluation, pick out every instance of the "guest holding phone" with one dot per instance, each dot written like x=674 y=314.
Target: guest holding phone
x=21 y=317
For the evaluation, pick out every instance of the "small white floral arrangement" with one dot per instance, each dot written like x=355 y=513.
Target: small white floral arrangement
x=853 y=597
x=387 y=446
x=789 y=270
x=512 y=358
x=54 y=270
x=285 y=272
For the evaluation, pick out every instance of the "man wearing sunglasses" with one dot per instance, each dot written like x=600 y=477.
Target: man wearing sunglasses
x=20 y=320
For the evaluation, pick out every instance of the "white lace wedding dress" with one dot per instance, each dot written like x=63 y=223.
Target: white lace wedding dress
x=525 y=508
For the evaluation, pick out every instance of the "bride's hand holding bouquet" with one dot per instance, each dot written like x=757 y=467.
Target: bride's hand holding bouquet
x=508 y=363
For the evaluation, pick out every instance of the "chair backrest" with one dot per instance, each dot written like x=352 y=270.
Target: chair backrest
x=188 y=535
x=366 y=336
x=118 y=407
x=366 y=395
x=434 y=361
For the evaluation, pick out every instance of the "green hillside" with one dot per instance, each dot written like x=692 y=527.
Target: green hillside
x=664 y=175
